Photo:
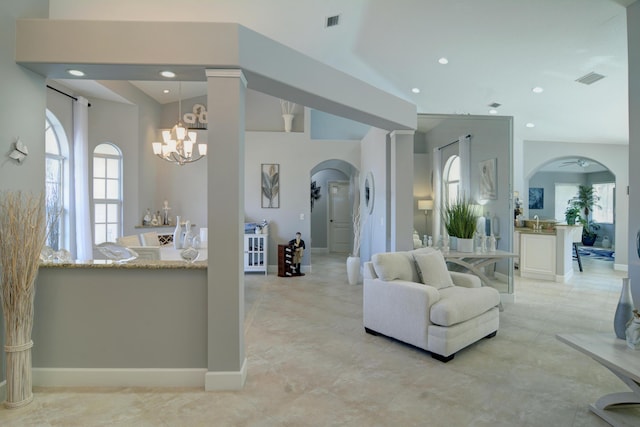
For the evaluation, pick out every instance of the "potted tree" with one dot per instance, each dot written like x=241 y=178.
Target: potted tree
x=585 y=201
x=460 y=220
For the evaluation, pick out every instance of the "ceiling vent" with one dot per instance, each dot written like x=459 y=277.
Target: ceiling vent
x=494 y=105
x=332 y=21
x=590 y=78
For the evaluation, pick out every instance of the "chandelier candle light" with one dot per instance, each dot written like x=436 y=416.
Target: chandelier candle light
x=177 y=147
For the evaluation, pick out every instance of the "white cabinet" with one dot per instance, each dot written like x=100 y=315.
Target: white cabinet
x=538 y=256
x=255 y=252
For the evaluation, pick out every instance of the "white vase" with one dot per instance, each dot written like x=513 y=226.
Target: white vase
x=353 y=269
x=177 y=235
x=464 y=245
x=288 y=121
x=624 y=310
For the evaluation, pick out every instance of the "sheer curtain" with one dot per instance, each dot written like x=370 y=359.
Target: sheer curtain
x=84 y=246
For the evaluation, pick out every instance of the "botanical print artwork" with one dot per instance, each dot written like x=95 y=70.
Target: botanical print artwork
x=270 y=185
x=488 y=179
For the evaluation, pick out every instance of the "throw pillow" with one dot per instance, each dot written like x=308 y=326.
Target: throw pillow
x=393 y=265
x=432 y=269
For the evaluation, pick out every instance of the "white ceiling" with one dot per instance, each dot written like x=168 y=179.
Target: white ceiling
x=498 y=50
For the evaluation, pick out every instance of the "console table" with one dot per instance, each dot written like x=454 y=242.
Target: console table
x=475 y=262
x=613 y=354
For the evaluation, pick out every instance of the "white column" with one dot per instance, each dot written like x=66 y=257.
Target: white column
x=225 y=215
x=633 y=30
x=401 y=190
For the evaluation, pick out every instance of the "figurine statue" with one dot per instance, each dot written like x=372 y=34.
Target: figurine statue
x=166 y=209
x=298 y=247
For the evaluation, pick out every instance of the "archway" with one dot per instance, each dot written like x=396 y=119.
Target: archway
x=332 y=173
x=556 y=181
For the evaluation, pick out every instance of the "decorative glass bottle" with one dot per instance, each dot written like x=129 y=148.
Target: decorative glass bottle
x=624 y=311
x=177 y=234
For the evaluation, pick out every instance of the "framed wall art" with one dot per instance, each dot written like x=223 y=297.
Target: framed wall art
x=270 y=185
x=536 y=198
x=488 y=179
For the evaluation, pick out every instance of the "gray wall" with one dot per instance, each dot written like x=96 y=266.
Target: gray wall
x=328 y=126
x=491 y=137
x=120 y=318
x=22 y=107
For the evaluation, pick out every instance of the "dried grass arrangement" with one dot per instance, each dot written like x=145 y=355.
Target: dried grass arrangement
x=22 y=236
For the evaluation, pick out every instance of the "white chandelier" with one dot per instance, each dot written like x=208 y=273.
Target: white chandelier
x=177 y=147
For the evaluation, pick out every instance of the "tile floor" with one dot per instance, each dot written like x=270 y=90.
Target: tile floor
x=311 y=364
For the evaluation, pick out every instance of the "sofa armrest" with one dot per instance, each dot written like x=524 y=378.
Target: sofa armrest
x=368 y=272
x=399 y=309
x=465 y=279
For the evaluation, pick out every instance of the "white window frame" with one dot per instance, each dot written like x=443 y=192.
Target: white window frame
x=61 y=182
x=107 y=201
x=451 y=182
x=601 y=215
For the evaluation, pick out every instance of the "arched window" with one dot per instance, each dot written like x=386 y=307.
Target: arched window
x=451 y=181
x=107 y=193
x=56 y=183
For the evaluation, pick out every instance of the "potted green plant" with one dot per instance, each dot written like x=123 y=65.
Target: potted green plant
x=585 y=201
x=460 y=219
x=571 y=214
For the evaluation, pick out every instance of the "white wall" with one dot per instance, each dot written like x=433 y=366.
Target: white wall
x=613 y=157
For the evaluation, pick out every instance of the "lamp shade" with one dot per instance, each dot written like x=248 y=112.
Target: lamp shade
x=425 y=205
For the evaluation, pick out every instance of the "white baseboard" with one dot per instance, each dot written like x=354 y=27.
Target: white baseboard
x=319 y=250
x=90 y=377
x=3 y=390
x=226 y=381
x=621 y=267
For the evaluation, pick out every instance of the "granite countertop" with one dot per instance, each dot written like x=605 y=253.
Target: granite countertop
x=142 y=264
x=551 y=232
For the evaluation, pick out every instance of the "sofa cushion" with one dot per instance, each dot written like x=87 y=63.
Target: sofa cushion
x=394 y=265
x=458 y=304
x=432 y=269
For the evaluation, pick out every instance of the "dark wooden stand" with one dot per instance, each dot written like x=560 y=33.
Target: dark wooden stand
x=285 y=261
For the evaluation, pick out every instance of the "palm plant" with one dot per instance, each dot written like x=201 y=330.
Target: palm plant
x=586 y=200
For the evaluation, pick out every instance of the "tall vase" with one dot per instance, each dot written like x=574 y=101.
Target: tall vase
x=288 y=121
x=353 y=270
x=624 y=311
x=177 y=235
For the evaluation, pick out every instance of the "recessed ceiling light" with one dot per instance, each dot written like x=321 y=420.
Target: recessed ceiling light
x=165 y=91
x=443 y=61
x=415 y=90
x=76 y=73
x=537 y=89
x=168 y=74
x=530 y=125
x=493 y=111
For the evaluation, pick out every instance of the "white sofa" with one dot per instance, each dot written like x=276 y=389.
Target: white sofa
x=445 y=315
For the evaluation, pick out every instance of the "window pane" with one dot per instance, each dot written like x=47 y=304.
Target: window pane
x=564 y=193
x=454 y=170
x=99 y=167
x=113 y=168
x=113 y=190
x=100 y=233
x=112 y=232
x=106 y=149
x=112 y=212
x=52 y=170
x=98 y=188
x=100 y=213
x=606 y=193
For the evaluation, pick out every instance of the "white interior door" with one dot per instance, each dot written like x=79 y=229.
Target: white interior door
x=340 y=227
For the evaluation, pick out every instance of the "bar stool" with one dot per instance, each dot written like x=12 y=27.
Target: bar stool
x=577 y=237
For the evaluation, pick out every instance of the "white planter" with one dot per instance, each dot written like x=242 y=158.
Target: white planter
x=465 y=245
x=353 y=270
